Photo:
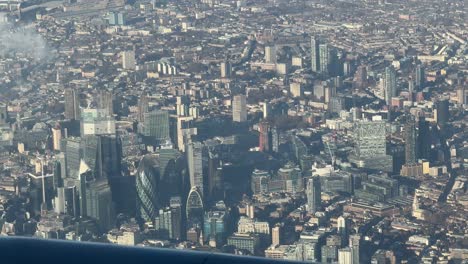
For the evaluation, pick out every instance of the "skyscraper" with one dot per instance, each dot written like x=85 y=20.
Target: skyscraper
x=361 y=77
x=106 y=101
x=314 y=54
x=270 y=54
x=128 y=60
x=99 y=203
x=324 y=58
x=354 y=244
x=275 y=235
x=442 y=108
x=72 y=104
x=419 y=77
x=313 y=192
x=156 y=125
x=195 y=152
x=424 y=139
x=239 y=108
x=345 y=256
x=194 y=209
x=225 y=69
x=97 y=122
x=147 y=180
x=389 y=82
x=3 y=114
x=410 y=141
x=56 y=137
x=264 y=137
x=143 y=105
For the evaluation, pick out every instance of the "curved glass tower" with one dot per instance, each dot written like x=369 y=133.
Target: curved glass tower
x=194 y=209
x=147 y=181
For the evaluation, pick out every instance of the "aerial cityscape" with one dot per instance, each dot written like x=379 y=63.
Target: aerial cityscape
x=320 y=131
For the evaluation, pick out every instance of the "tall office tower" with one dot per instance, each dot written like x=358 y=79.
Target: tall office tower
x=354 y=245
x=184 y=131
x=106 y=101
x=215 y=177
x=275 y=235
x=85 y=175
x=156 y=125
x=323 y=58
x=147 y=195
x=56 y=137
x=314 y=54
x=370 y=146
x=194 y=209
x=342 y=226
x=225 y=69
x=3 y=114
x=215 y=227
x=462 y=95
x=143 y=106
x=361 y=77
x=128 y=60
x=334 y=64
x=96 y=122
x=266 y=109
x=259 y=181
x=270 y=54
x=239 y=108
x=389 y=84
x=171 y=165
x=102 y=154
x=264 y=137
x=175 y=204
x=442 y=114
x=345 y=256
x=183 y=105
x=424 y=139
x=313 y=191
x=419 y=77
x=72 y=104
x=275 y=141
x=195 y=152
x=99 y=203
x=163 y=223
x=410 y=141
x=72 y=148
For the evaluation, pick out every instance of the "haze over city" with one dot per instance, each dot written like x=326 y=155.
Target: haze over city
x=317 y=131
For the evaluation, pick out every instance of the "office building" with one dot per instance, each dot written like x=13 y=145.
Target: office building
x=324 y=59
x=248 y=225
x=313 y=192
x=259 y=181
x=354 y=245
x=239 y=108
x=360 y=78
x=382 y=256
x=128 y=60
x=106 y=102
x=314 y=54
x=99 y=203
x=442 y=112
x=215 y=227
x=389 y=84
x=295 y=89
x=410 y=141
x=3 y=114
x=143 y=106
x=419 y=77
x=147 y=195
x=270 y=54
x=194 y=210
x=167 y=222
x=248 y=242
x=225 y=69
x=276 y=235
x=264 y=137
x=345 y=256
x=156 y=125
x=329 y=254
x=195 y=154
x=72 y=104
x=56 y=137
x=97 y=122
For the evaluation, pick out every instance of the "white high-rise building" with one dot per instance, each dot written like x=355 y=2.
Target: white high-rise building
x=195 y=165
x=313 y=192
x=239 y=108
x=128 y=60
x=345 y=256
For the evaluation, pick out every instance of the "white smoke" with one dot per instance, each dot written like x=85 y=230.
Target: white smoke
x=21 y=40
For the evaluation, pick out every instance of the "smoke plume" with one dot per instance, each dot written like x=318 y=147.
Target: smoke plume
x=16 y=40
